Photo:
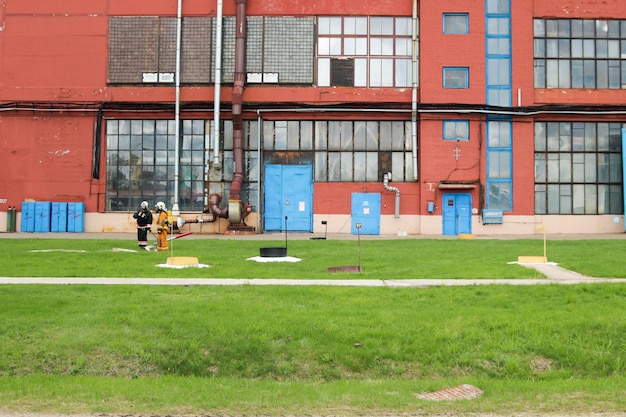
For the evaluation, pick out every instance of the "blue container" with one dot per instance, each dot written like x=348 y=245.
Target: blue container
x=28 y=217
x=76 y=217
x=59 y=217
x=42 y=216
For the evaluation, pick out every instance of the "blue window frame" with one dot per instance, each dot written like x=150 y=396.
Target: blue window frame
x=499 y=164
x=455 y=23
x=456 y=77
x=498 y=48
x=456 y=130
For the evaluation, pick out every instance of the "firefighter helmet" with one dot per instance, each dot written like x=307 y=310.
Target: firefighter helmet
x=144 y=205
x=161 y=206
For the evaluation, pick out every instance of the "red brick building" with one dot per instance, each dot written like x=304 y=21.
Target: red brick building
x=404 y=117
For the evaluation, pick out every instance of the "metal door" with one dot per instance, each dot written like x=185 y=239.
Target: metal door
x=366 y=212
x=288 y=192
x=457 y=214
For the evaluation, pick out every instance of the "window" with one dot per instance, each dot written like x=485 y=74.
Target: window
x=499 y=164
x=578 y=168
x=140 y=163
x=142 y=49
x=455 y=23
x=347 y=151
x=140 y=159
x=456 y=130
x=456 y=78
x=577 y=53
x=498 y=59
x=376 y=50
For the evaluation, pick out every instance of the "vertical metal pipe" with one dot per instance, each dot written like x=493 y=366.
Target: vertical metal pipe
x=177 y=106
x=259 y=119
x=414 y=91
x=218 y=86
x=234 y=199
x=237 y=107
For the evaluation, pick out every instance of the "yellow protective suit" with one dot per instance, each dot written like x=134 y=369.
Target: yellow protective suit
x=162 y=228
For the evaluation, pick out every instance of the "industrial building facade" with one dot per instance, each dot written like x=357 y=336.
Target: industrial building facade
x=400 y=116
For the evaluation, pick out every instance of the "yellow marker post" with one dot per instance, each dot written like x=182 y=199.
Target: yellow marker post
x=542 y=227
x=536 y=259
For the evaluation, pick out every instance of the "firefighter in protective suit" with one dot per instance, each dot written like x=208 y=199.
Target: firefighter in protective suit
x=144 y=223
x=162 y=226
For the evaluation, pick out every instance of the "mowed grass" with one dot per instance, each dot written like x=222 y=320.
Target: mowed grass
x=281 y=350
x=311 y=350
x=380 y=259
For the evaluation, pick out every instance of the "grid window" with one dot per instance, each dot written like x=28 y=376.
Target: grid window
x=499 y=165
x=455 y=23
x=576 y=53
x=498 y=59
x=347 y=151
x=141 y=45
x=578 y=168
x=456 y=77
x=140 y=48
x=364 y=51
x=456 y=130
x=141 y=163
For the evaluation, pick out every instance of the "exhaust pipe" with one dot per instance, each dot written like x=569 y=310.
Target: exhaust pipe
x=235 y=212
x=386 y=179
x=234 y=200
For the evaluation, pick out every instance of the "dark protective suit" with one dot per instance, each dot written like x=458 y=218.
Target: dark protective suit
x=144 y=224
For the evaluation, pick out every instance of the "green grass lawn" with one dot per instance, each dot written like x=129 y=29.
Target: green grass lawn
x=281 y=350
x=380 y=259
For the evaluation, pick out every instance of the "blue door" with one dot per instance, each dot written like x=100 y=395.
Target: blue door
x=366 y=212
x=457 y=214
x=288 y=192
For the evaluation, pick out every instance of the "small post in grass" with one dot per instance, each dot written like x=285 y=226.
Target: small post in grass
x=351 y=268
x=536 y=259
x=358 y=237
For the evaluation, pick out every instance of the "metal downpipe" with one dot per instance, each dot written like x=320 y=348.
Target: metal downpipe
x=414 y=91
x=218 y=86
x=234 y=200
x=179 y=15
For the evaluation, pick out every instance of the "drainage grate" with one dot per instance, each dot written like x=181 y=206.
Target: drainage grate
x=461 y=392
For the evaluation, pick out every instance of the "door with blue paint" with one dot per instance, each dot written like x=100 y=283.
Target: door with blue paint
x=457 y=214
x=366 y=212
x=288 y=192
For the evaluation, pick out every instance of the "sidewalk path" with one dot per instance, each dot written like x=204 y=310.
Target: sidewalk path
x=554 y=274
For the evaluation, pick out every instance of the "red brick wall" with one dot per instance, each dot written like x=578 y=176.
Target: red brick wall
x=438 y=50
x=336 y=197
x=47 y=158
x=580 y=9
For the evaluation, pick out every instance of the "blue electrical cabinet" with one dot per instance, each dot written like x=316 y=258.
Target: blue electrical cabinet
x=28 y=217
x=42 y=216
x=76 y=217
x=58 y=217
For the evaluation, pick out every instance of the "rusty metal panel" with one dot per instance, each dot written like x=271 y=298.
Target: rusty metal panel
x=342 y=72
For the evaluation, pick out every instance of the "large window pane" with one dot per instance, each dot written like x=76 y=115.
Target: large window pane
x=384 y=50
x=580 y=170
